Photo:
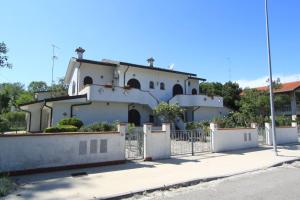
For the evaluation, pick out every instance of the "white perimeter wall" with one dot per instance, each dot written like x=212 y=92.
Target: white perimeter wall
x=284 y=135
x=31 y=152
x=233 y=139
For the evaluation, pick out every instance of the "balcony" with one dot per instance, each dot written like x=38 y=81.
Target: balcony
x=119 y=94
x=197 y=100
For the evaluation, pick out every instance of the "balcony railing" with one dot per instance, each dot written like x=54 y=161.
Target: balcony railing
x=197 y=100
x=110 y=93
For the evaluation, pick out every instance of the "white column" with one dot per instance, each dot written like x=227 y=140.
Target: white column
x=268 y=132
x=147 y=128
x=167 y=128
x=213 y=128
x=122 y=127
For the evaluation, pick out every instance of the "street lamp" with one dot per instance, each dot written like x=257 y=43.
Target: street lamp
x=270 y=79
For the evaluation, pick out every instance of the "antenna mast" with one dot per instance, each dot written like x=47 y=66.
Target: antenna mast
x=54 y=57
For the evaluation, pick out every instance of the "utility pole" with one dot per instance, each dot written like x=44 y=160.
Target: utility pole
x=54 y=57
x=270 y=79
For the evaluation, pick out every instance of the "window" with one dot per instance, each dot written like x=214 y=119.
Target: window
x=162 y=86
x=87 y=80
x=194 y=91
x=73 y=87
x=151 y=85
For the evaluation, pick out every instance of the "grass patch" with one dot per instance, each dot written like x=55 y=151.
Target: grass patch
x=6 y=186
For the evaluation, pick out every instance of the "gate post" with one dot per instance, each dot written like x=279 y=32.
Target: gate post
x=147 y=128
x=192 y=137
x=121 y=128
x=167 y=128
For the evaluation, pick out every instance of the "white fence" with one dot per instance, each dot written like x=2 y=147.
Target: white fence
x=233 y=138
x=284 y=135
x=63 y=150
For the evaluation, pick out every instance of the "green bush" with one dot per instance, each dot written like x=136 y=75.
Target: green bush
x=4 y=125
x=61 y=128
x=283 y=121
x=98 y=127
x=16 y=120
x=6 y=186
x=71 y=121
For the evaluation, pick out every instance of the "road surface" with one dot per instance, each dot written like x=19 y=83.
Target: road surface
x=278 y=183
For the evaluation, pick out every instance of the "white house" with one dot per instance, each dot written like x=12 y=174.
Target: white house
x=110 y=90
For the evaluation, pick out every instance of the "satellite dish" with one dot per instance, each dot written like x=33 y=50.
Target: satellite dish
x=171 y=67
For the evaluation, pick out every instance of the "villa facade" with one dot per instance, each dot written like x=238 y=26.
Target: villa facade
x=110 y=90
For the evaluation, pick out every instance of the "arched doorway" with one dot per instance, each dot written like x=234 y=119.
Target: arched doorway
x=194 y=91
x=87 y=80
x=134 y=117
x=177 y=89
x=134 y=83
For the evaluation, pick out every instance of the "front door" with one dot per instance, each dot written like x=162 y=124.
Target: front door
x=134 y=117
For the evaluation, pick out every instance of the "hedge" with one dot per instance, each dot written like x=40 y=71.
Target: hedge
x=61 y=128
x=71 y=121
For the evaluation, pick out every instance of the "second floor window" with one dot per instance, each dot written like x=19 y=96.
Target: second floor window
x=87 y=80
x=162 y=86
x=151 y=85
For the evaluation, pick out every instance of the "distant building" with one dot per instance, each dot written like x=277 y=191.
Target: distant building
x=110 y=90
x=293 y=90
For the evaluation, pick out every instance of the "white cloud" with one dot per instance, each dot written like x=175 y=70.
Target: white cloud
x=263 y=80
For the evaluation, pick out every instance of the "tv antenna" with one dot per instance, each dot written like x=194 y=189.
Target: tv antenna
x=54 y=57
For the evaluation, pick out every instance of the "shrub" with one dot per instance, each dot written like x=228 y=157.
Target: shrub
x=98 y=127
x=61 y=128
x=4 y=125
x=6 y=185
x=283 y=121
x=16 y=120
x=71 y=121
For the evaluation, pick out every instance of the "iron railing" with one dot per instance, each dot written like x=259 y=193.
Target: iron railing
x=189 y=142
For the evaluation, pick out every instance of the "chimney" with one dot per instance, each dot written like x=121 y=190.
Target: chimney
x=150 y=61
x=80 y=52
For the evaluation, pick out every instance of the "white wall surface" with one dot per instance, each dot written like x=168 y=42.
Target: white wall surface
x=284 y=135
x=208 y=113
x=101 y=111
x=233 y=139
x=157 y=144
x=31 y=152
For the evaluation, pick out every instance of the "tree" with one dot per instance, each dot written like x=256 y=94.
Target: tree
x=3 y=57
x=231 y=95
x=168 y=112
x=24 y=97
x=211 y=88
x=37 y=86
x=229 y=91
x=255 y=105
x=59 y=88
x=9 y=93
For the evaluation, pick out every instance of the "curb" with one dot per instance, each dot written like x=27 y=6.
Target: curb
x=192 y=181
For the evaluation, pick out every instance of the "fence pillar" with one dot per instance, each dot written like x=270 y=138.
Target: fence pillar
x=253 y=125
x=122 y=128
x=213 y=127
x=147 y=128
x=268 y=132
x=167 y=128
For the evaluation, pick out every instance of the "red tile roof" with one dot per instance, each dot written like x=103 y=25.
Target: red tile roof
x=284 y=87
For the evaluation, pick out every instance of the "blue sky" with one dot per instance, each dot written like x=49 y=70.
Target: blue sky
x=217 y=39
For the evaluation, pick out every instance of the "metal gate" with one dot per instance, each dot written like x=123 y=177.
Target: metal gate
x=190 y=142
x=262 y=136
x=134 y=143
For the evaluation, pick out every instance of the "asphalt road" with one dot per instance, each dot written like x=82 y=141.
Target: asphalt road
x=278 y=183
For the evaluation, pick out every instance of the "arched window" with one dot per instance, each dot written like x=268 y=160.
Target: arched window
x=87 y=80
x=73 y=87
x=134 y=117
x=134 y=83
x=162 y=86
x=151 y=85
x=194 y=91
x=177 y=89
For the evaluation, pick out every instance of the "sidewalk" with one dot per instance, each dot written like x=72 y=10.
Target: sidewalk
x=112 y=181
